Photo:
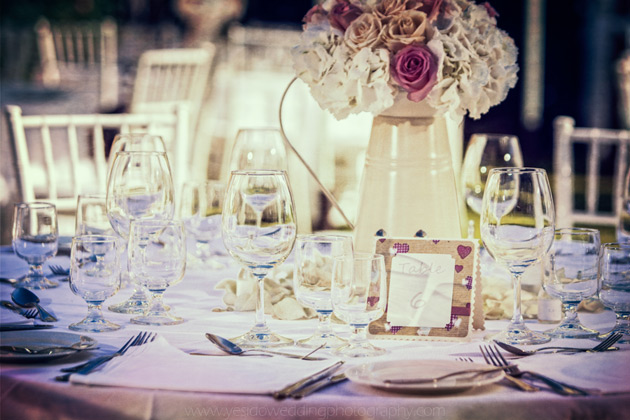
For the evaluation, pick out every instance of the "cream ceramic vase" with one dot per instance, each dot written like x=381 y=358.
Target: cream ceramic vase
x=409 y=183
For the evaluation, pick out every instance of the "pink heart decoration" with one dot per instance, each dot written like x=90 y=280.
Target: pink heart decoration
x=381 y=240
x=372 y=300
x=436 y=241
x=458 y=268
x=401 y=248
x=464 y=251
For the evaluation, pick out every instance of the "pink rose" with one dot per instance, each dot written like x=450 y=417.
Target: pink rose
x=343 y=13
x=491 y=12
x=431 y=8
x=414 y=68
x=315 y=15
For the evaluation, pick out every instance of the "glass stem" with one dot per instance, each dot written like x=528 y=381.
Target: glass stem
x=260 y=302
x=323 y=326
x=570 y=314
x=35 y=270
x=156 y=305
x=358 y=336
x=517 y=317
x=95 y=312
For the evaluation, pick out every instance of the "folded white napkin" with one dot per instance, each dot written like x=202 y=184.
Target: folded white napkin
x=159 y=365
x=9 y=317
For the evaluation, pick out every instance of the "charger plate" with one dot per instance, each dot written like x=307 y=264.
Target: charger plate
x=376 y=374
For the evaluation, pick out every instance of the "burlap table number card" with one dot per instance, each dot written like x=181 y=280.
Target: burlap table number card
x=431 y=289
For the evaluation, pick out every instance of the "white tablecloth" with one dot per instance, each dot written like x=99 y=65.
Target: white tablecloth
x=30 y=391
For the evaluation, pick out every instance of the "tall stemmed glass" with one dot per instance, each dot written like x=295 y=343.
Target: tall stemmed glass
x=258 y=148
x=157 y=260
x=140 y=186
x=94 y=276
x=517 y=229
x=35 y=240
x=484 y=152
x=623 y=225
x=614 y=290
x=259 y=230
x=200 y=207
x=570 y=274
x=137 y=142
x=312 y=279
x=359 y=296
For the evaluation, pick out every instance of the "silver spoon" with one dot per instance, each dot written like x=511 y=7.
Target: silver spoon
x=28 y=299
x=232 y=348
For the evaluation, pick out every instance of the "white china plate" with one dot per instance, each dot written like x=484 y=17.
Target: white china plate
x=375 y=374
x=41 y=339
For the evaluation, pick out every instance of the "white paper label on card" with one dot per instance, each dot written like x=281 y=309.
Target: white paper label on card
x=421 y=290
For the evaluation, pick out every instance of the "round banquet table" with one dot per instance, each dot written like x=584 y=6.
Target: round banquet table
x=29 y=390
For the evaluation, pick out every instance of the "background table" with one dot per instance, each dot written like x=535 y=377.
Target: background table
x=30 y=391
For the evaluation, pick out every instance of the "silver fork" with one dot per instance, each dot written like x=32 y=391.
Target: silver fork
x=28 y=313
x=85 y=368
x=496 y=358
x=517 y=382
x=59 y=270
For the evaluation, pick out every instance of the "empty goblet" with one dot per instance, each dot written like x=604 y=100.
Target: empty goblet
x=614 y=290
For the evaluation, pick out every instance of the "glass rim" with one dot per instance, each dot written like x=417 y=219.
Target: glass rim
x=312 y=237
x=524 y=170
x=269 y=128
x=616 y=246
x=34 y=204
x=576 y=230
x=494 y=135
x=262 y=172
x=361 y=256
x=95 y=237
x=155 y=222
x=139 y=152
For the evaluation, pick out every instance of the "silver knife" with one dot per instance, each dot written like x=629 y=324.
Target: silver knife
x=288 y=390
x=322 y=383
x=18 y=327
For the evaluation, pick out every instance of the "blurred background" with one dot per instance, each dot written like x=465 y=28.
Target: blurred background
x=569 y=54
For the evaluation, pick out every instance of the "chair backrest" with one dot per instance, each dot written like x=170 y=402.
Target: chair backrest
x=57 y=157
x=170 y=76
x=70 y=52
x=602 y=193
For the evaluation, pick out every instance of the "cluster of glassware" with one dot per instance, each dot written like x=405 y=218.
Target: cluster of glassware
x=518 y=229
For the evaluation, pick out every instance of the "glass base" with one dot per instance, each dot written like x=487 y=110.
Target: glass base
x=572 y=330
x=94 y=325
x=325 y=341
x=157 y=319
x=258 y=338
x=362 y=349
x=138 y=303
x=522 y=336
x=37 y=283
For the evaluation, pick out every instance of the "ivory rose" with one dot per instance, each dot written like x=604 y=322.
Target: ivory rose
x=365 y=31
x=414 y=68
x=386 y=9
x=405 y=29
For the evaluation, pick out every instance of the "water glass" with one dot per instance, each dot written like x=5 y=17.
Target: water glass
x=91 y=215
x=157 y=260
x=359 y=296
x=35 y=240
x=614 y=290
x=517 y=229
x=312 y=279
x=570 y=274
x=258 y=148
x=94 y=276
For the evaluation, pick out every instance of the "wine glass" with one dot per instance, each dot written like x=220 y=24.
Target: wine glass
x=91 y=216
x=258 y=148
x=35 y=240
x=137 y=142
x=94 y=276
x=200 y=208
x=259 y=230
x=570 y=275
x=623 y=226
x=157 y=260
x=614 y=291
x=484 y=152
x=312 y=278
x=517 y=229
x=140 y=186
x=359 y=296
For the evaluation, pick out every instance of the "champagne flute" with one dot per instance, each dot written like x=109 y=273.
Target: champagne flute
x=35 y=240
x=623 y=225
x=312 y=278
x=484 y=152
x=157 y=260
x=614 y=290
x=570 y=275
x=517 y=229
x=94 y=276
x=258 y=148
x=254 y=196
x=359 y=296
x=200 y=208
x=140 y=186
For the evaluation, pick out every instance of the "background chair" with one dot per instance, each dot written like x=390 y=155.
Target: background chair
x=71 y=54
x=58 y=157
x=588 y=169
